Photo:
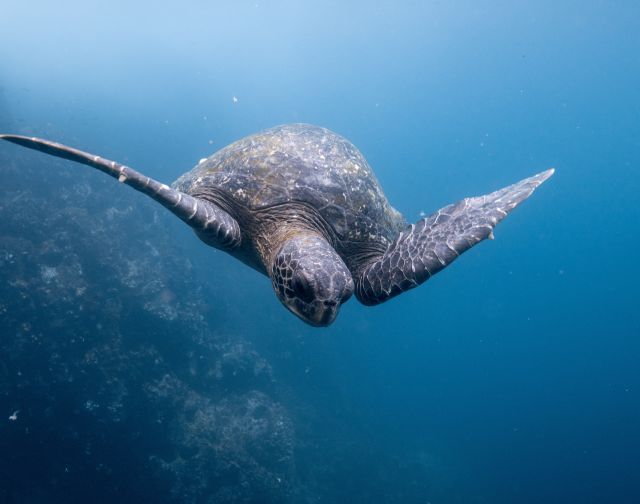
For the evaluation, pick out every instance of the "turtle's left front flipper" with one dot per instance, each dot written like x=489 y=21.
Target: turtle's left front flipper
x=423 y=249
x=212 y=224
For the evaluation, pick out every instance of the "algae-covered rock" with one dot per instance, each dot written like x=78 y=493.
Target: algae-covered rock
x=114 y=385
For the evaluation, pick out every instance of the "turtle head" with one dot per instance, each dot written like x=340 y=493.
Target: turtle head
x=311 y=279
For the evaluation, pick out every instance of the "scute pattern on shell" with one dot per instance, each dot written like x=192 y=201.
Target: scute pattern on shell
x=304 y=163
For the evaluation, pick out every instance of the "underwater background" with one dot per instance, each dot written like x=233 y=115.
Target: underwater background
x=139 y=365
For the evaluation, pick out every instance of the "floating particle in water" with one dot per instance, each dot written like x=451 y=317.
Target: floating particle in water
x=235 y=99
x=14 y=417
x=91 y=405
x=48 y=273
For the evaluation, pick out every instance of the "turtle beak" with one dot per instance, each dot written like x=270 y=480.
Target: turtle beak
x=324 y=313
x=316 y=314
x=325 y=316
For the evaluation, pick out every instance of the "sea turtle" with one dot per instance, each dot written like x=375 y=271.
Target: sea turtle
x=301 y=205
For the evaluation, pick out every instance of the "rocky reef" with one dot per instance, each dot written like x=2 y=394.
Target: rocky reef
x=123 y=377
x=113 y=387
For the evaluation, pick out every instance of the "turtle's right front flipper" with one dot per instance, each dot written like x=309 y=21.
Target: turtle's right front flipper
x=215 y=226
x=425 y=248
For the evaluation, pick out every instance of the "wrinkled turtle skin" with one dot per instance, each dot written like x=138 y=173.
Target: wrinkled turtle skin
x=306 y=164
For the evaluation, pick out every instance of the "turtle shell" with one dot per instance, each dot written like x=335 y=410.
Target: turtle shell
x=301 y=163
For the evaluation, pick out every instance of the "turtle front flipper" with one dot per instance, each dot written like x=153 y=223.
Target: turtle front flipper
x=212 y=224
x=423 y=249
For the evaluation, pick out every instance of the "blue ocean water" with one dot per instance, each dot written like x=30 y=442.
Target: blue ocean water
x=511 y=377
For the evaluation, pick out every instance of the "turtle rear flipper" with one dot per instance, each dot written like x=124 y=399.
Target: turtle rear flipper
x=425 y=248
x=212 y=224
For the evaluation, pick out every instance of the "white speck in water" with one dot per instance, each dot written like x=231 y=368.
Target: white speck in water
x=14 y=417
x=91 y=405
x=235 y=99
x=48 y=273
x=202 y=160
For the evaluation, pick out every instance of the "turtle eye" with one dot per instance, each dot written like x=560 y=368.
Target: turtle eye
x=301 y=287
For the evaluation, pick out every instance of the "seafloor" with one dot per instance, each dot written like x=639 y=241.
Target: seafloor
x=123 y=386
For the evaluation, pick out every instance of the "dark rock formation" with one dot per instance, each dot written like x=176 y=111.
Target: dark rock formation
x=118 y=382
x=121 y=390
